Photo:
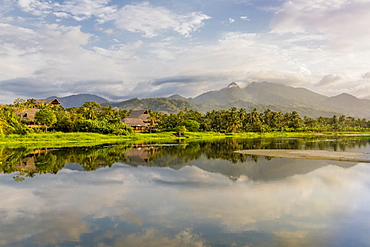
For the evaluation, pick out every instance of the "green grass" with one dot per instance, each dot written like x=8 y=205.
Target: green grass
x=58 y=139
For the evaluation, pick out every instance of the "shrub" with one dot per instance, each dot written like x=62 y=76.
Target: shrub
x=102 y=127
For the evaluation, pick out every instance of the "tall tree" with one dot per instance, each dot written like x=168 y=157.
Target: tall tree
x=45 y=117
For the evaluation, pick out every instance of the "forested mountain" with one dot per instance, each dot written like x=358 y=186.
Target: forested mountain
x=348 y=104
x=283 y=98
x=78 y=100
x=287 y=98
x=165 y=105
x=230 y=94
x=260 y=95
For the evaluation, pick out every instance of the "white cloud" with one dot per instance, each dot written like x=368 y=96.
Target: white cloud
x=62 y=15
x=231 y=20
x=343 y=22
x=78 y=10
x=366 y=75
x=85 y=9
x=51 y=59
x=140 y=17
x=36 y=7
x=245 y=18
x=54 y=57
x=6 y=6
x=329 y=80
x=150 y=20
x=281 y=77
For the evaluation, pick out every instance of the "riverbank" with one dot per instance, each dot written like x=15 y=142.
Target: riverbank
x=85 y=139
x=309 y=154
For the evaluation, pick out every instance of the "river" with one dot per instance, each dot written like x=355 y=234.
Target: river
x=184 y=194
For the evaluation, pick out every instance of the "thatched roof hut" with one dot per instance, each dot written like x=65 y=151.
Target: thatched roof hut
x=47 y=101
x=138 y=120
x=27 y=115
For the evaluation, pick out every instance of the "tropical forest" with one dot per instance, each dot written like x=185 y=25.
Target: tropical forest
x=95 y=118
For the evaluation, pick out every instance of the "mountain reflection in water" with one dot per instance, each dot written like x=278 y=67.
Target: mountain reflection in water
x=184 y=194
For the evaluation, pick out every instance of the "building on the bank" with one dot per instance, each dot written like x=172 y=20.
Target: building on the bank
x=26 y=115
x=47 y=101
x=138 y=120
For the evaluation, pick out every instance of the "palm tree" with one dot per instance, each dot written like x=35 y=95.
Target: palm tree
x=233 y=120
x=153 y=119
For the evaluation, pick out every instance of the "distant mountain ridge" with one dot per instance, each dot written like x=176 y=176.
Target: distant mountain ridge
x=286 y=98
x=260 y=95
x=78 y=100
x=256 y=95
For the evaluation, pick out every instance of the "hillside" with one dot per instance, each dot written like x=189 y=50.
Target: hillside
x=164 y=105
x=277 y=94
x=78 y=100
x=348 y=104
x=230 y=94
x=167 y=105
x=261 y=95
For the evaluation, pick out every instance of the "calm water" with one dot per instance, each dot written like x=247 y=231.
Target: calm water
x=184 y=194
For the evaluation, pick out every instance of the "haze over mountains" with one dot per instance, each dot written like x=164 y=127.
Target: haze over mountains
x=260 y=95
x=78 y=100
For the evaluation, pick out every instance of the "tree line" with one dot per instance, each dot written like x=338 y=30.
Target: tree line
x=92 y=117
x=237 y=120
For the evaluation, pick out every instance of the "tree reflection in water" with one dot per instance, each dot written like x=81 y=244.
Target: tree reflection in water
x=26 y=161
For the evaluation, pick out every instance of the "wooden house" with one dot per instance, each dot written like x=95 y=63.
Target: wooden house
x=138 y=120
x=47 y=101
x=26 y=115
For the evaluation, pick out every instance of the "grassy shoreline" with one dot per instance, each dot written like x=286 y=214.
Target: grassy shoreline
x=86 y=139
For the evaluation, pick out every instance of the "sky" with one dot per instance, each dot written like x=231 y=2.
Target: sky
x=121 y=49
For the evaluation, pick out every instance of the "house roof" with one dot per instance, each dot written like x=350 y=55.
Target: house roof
x=137 y=118
x=26 y=114
x=143 y=114
x=134 y=121
x=47 y=101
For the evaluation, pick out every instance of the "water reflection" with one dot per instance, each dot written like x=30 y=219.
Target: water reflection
x=184 y=194
x=27 y=162
x=151 y=206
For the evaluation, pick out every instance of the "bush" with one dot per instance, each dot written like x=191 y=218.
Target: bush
x=180 y=130
x=191 y=125
x=102 y=127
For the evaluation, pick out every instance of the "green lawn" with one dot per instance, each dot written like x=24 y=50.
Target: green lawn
x=84 y=139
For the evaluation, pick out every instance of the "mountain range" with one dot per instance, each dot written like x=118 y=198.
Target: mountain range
x=260 y=95
x=78 y=100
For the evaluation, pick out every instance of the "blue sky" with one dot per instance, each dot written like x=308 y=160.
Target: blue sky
x=124 y=49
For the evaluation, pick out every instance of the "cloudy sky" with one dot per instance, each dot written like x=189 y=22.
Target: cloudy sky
x=121 y=49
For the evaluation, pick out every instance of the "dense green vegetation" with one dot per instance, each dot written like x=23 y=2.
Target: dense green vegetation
x=240 y=121
x=159 y=104
x=90 y=117
x=94 y=118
